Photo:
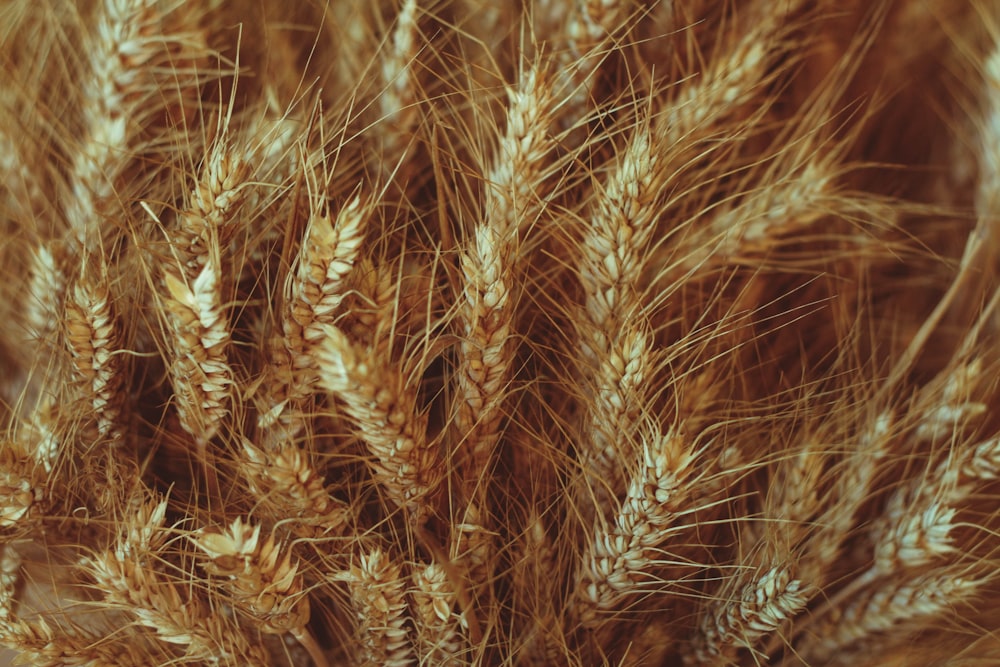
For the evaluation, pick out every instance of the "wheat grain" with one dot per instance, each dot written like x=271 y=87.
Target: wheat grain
x=853 y=487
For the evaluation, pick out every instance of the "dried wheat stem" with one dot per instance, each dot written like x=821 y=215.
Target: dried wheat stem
x=760 y=607
x=126 y=577
x=619 y=553
x=438 y=627
x=94 y=339
x=199 y=332
x=384 y=410
x=378 y=593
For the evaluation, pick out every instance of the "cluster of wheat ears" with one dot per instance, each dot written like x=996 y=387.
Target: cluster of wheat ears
x=458 y=332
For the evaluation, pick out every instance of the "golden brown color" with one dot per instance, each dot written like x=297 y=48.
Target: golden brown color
x=452 y=332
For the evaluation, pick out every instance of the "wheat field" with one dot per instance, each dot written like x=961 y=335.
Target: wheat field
x=457 y=332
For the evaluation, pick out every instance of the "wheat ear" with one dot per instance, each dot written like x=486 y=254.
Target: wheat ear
x=439 y=630
x=758 y=608
x=511 y=204
x=94 y=339
x=385 y=413
x=36 y=641
x=988 y=191
x=126 y=577
x=199 y=335
x=46 y=291
x=378 y=593
x=289 y=488
x=613 y=331
x=20 y=485
x=263 y=580
x=328 y=253
x=397 y=101
x=120 y=93
x=621 y=552
x=900 y=603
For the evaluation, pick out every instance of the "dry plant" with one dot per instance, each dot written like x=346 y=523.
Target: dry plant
x=450 y=332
